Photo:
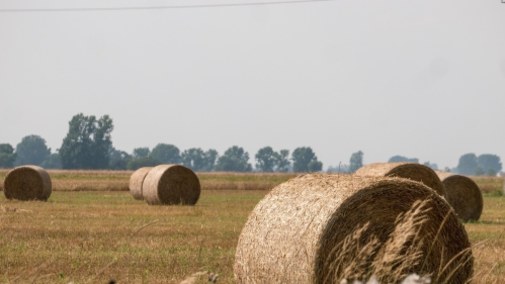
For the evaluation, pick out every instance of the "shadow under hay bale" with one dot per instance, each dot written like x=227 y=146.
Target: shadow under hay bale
x=326 y=228
x=411 y=171
x=170 y=185
x=137 y=181
x=464 y=195
x=27 y=183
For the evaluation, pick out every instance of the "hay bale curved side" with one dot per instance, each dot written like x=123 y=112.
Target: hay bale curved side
x=464 y=195
x=322 y=229
x=170 y=185
x=27 y=183
x=136 y=181
x=411 y=171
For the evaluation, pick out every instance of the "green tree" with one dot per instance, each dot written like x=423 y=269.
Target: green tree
x=282 y=162
x=52 y=161
x=87 y=143
x=265 y=159
x=118 y=160
x=234 y=159
x=489 y=164
x=398 y=158
x=468 y=164
x=356 y=161
x=166 y=154
x=198 y=160
x=141 y=157
x=7 y=156
x=305 y=160
x=32 y=150
x=141 y=152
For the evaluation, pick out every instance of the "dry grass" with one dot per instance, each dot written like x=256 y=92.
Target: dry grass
x=80 y=180
x=91 y=237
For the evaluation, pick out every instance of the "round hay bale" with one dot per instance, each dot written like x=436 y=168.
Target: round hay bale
x=136 y=182
x=464 y=195
x=326 y=228
x=411 y=171
x=171 y=184
x=27 y=183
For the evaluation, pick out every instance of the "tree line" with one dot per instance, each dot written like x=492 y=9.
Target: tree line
x=88 y=145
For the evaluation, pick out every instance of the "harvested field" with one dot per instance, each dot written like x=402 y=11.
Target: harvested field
x=94 y=236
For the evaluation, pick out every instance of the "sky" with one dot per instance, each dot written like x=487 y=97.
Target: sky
x=421 y=79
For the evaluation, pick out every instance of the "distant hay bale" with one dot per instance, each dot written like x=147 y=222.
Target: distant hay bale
x=464 y=195
x=136 y=182
x=171 y=184
x=411 y=171
x=27 y=183
x=326 y=228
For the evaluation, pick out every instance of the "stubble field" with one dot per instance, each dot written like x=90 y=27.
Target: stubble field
x=91 y=231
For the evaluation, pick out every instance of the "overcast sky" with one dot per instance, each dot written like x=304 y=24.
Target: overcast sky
x=423 y=79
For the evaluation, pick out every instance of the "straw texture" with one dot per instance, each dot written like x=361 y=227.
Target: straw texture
x=28 y=183
x=411 y=171
x=326 y=228
x=170 y=185
x=464 y=195
x=136 y=182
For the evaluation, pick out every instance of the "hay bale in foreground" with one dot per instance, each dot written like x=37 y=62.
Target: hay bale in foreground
x=171 y=184
x=27 y=183
x=325 y=228
x=411 y=171
x=464 y=195
x=136 y=182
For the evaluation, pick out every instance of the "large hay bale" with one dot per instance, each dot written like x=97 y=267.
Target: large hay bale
x=171 y=184
x=464 y=195
x=27 y=183
x=325 y=228
x=411 y=171
x=136 y=182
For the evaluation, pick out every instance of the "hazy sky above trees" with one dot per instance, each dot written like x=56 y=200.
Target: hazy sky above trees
x=422 y=79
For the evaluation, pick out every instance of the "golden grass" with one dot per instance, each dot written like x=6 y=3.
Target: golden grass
x=91 y=237
x=83 y=180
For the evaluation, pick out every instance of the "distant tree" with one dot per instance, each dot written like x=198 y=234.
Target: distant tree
x=141 y=152
x=468 y=164
x=210 y=160
x=489 y=164
x=32 y=150
x=356 y=161
x=166 y=153
x=87 y=143
x=282 y=162
x=141 y=157
x=198 y=160
x=7 y=156
x=398 y=158
x=53 y=161
x=305 y=160
x=234 y=159
x=118 y=160
x=265 y=159
x=433 y=166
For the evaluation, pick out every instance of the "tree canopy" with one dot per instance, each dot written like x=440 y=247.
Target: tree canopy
x=234 y=159
x=7 y=155
x=32 y=150
x=87 y=143
x=305 y=160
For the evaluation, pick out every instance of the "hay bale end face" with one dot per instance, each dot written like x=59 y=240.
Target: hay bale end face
x=136 y=182
x=323 y=229
x=411 y=171
x=464 y=195
x=171 y=185
x=28 y=183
